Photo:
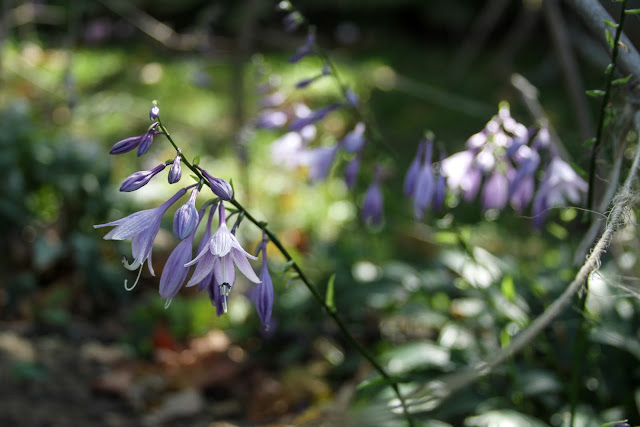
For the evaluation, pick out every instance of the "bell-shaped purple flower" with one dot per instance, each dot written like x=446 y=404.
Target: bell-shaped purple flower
x=560 y=185
x=264 y=290
x=496 y=191
x=411 y=177
x=352 y=98
x=141 y=178
x=175 y=173
x=141 y=227
x=462 y=174
x=313 y=117
x=186 y=217
x=219 y=255
x=174 y=272
x=319 y=160
x=440 y=189
x=351 y=172
x=425 y=185
x=373 y=204
x=354 y=140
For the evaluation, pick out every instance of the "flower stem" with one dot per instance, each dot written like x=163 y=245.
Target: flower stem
x=303 y=277
x=603 y=108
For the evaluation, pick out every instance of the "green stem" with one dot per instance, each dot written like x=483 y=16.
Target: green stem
x=603 y=109
x=579 y=348
x=316 y=294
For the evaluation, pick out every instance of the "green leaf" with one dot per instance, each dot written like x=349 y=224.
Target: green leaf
x=610 y=24
x=608 y=69
x=328 y=298
x=632 y=11
x=196 y=160
x=589 y=142
x=195 y=178
x=621 y=80
x=609 y=37
x=596 y=93
x=288 y=265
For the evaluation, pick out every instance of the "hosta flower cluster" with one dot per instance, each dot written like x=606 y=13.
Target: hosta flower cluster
x=218 y=253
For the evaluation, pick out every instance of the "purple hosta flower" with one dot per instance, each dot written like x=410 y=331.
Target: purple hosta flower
x=319 y=161
x=352 y=98
x=542 y=139
x=142 y=142
x=219 y=256
x=311 y=118
x=154 y=112
x=425 y=184
x=560 y=185
x=263 y=295
x=462 y=174
x=271 y=119
x=272 y=100
x=186 y=217
x=522 y=182
x=412 y=174
x=351 y=172
x=354 y=140
x=326 y=70
x=496 y=191
x=286 y=150
x=141 y=178
x=306 y=49
x=142 y=228
x=373 y=202
x=175 y=173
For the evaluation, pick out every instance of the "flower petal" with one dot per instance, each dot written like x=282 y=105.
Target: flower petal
x=243 y=265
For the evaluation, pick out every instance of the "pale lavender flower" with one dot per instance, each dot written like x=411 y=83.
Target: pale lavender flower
x=186 y=217
x=424 y=189
x=313 y=117
x=141 y=178
x=560 y=185
x=272 y=100
x=264 y=292
x=271 y=119
x=462 y=174
x=373 y=203
x=354 y=140
x=286 y=150
x=522 y=183
x=142 y=142
x=175 y=173
x=496 y=191
x=154 y=112
x=219 y=256
x=141 y=227
x=319 y=161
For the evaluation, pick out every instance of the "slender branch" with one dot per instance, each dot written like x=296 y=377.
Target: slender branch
x=443 y=388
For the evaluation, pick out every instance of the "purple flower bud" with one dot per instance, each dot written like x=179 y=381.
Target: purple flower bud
x=219 y=186
x=313 y=117
x=292 y=21
x=126 y=145
x=372 y=204
x=186 y=217
x=424 y=190
x=147 y=140
x=154 y=112
x=306 y=82
x=440 y=190
x=306 y=49
x=141 y=178
x=354 y=140
x=495 y=192
x=175 y=173
x=352 y=98
x=351 y=172
x=319 y=160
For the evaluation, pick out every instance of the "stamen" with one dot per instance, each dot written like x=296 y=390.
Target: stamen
x=137 y=278
x=168 y=303
x=225 y=288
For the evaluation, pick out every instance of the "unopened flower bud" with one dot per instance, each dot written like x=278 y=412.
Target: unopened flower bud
x=154 y=112
x=175 y=173
x=219 y=186
x=141 y=178
x=186 y=217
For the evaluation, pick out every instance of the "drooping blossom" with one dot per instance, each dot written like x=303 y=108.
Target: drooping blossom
x=351 y=172
x=373 y=201
x=495 y=193
x=352 y=98
x=186 y=217
x=560 y=186
x=353 y=142
x=424 y=184
x=313 y=117
x=412 y=173
x=142 y=142
x=263 y=294
x=175 y=173
x=219 y=186
x=141 y=227
x=319 y=161
x=440 y=190
x=219 y=256
x=141 y=178
x=306 y=49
